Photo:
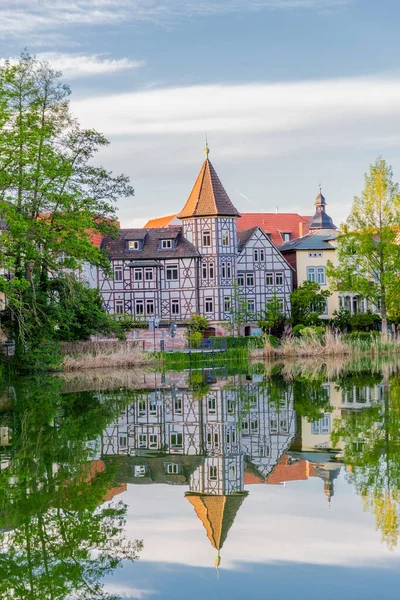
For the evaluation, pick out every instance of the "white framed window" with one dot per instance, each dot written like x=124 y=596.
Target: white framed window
x=262 y=255
x=311 y=273
x=279 y=278
x=269 y=279
x=139 y=470
x=245 y=426
x=212 y=407
x=250 y=279
x=254 y=425
x=273 y=424
x=148 y=273
x=172 y=273
x=134 y=245
x=137 y=274
x=286 y=236
x=321 y=275
x=212 y=473
x=208 y=305
x=142 y=408
x=280 y=304
x=149 y=307
x=142 y=440
x=255 y=255
x=225 y=238
x=175 y=307
x=166 y=244
x=228 y=270
x=178 y=405
x=123 y=442
x=204 y=270
x=227 y=303
x=119 y=307
x=139 y=307
x=118 y=274
x=175 y=439
x=325 y=310
x=172 y=468
x=251 y=305
x=283 y=425
x=211 y=270
x=322 y=426
x=231 y=406
x=207 y=238
x=232 y=472
x=153 y=440
x=240 y=279
x=223 y=270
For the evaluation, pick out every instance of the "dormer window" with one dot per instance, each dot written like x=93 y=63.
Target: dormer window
x=134 y=245
x=166 y=244
x=286 y=236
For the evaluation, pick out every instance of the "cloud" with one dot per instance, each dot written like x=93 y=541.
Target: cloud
x=126 y=591
x=74 y=66
x=23 y=16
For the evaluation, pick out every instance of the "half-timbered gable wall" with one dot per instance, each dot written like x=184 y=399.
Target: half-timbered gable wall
x=262 y=272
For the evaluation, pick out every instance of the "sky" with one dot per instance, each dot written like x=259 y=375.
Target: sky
x=291 y=93
x=285 y=542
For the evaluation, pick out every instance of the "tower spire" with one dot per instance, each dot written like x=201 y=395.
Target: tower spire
x=206 y=149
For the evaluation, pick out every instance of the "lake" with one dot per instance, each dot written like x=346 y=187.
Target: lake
x=270 y=481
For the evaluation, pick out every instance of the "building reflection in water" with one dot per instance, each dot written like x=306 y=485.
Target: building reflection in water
x=227 y=433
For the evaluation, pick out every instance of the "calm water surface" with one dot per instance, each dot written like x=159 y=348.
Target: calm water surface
x=277 y=483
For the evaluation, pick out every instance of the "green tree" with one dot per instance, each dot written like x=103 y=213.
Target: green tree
x=308 y=303
x=52 y=197
x=272 y=319
x=368 y=251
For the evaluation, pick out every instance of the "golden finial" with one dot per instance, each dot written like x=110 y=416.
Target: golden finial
x=206 y=149
x=217 y=560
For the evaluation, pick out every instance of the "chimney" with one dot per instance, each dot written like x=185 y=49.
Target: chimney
x=303 y=228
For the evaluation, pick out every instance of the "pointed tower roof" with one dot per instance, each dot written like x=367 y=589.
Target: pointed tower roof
x=208 y=197
x=217 y=513
x=321 y=220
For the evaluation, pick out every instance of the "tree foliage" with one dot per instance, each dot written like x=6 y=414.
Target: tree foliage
x=52 y=196
x=308 y=303
x=368 y=250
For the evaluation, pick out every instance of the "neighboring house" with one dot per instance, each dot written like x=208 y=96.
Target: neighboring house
x=199 y=266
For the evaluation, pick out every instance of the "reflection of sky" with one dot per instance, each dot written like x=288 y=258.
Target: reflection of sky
x=285 y=541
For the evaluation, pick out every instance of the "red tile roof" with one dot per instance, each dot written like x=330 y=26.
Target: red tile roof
x=286 y=470
x=159 y=222
x=276 y=224
x=208 y=196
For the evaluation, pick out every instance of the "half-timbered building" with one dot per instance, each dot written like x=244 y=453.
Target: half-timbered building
x=203 y=265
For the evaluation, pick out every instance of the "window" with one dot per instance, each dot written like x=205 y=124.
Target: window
x=225 y=238
x=322 y=426
x=166 y=244
x=251 y=306
x=286 y=237
x=204 y=270
x=149 y=307
x=211 y=405
x=135 y=245
x=118 y=274
x=231 y=406
x=250 y=279
x=283 y=425
x=213 y=473
x=139 y=470
x=142 y=408
x=240 y=279
x=280 y=304
x=153 y=407
x=245 y=426
x=228 y=270
x=321 y=275
x=119 y=306
x=122 y=441
x=325 y=310
x=255 y=254
x=172 y=273
x=206 y=238
x=175 y=307
x=176 y=439
x=227 y=304
x=273 y=425
x=269 y=279
x=262 y=255
x=153 y=440
x=311 y=273
x=139 y=307
x=142 y=440
x=211 y=270
x=209 y=305
x=148 y=274
x=172 y=468
x=279 y=278
x=254 y=425
x=178 y=405
x=137 y=274
x=232 y=471
x=223 y=270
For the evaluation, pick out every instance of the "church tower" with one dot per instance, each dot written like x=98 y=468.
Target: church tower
x=209 y=223
x=321 y=220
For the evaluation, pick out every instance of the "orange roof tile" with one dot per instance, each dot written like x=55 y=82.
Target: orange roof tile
x=159 y=222
x=276 y=224
x=286 y=470
x=208 y=196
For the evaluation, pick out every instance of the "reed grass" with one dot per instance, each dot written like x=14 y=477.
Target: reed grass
x=100 y=355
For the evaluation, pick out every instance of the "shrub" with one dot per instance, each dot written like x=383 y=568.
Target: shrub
x=194 y=338
x=197 y=323
x=297 y=329
x=309 y=332
x=367 y=321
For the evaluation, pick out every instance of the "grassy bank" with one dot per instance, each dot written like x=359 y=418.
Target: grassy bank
x=100 y=355
x=329 y=344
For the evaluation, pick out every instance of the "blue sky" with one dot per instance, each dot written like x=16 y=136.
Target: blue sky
x=290 y=92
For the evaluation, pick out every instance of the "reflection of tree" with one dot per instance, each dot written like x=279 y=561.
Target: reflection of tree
x=58 y=538
x=371 y=443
